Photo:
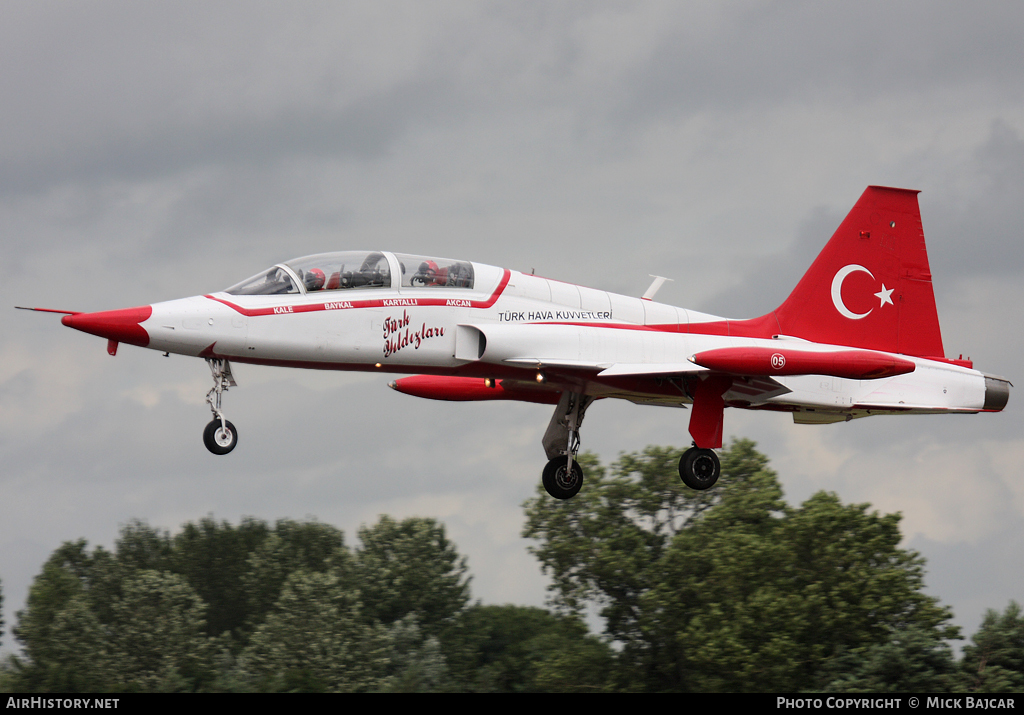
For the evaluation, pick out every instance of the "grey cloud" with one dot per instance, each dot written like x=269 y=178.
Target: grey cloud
x=360 y=133
x=764 y=54
x=122 y=91
x=976 y=213
x=971 y=211
x=765 y=281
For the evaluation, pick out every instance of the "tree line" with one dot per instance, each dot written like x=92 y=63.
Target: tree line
x=726 y=590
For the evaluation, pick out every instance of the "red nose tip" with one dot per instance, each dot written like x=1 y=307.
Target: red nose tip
x=121 y=326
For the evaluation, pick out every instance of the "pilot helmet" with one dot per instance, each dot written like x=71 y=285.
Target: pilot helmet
x=314 y=279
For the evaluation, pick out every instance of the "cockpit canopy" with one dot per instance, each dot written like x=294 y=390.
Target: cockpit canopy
x=426 y=272
x=349 y=270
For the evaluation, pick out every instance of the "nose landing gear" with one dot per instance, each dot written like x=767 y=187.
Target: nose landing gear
x=220 y=436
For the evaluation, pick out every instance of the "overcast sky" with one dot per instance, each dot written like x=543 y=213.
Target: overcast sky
x=151 y=151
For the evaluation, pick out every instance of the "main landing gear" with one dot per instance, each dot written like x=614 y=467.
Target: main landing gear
x=699 y=468
x=562 y=478
x=220 y=436
x=563 y=475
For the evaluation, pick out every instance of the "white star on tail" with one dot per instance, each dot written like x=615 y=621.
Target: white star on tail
x=884 y=296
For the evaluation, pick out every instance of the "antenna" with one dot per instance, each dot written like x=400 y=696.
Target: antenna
x=659 y=281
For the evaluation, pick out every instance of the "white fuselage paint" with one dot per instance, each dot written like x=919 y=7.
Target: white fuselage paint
x=528 y=323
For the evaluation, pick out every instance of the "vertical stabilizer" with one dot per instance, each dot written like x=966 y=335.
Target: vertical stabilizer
x=871 y=286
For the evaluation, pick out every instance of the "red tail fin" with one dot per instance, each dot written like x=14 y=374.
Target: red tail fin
x=871 y=286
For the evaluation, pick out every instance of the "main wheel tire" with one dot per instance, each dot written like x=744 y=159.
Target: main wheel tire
x=699 y=468
x=219 y=440
x=559 y=481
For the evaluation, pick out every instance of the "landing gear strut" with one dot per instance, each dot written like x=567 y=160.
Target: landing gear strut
x=220 y=436
x=563 y=476
x=699 y=468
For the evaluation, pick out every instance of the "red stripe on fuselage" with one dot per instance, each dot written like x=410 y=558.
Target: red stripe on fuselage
x=763 y=327
x=342 y=304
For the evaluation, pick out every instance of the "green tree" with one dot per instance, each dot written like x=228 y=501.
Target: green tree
x=77 y=656
x=994 y=662
x=729 y=589
x=410 y=567
x=605 y=546
x=316 y=639
x=416 y=662
x=290 y=547
x=80 y=594
x=911 y=660
x=523 y=649
x=91 y=623
x=71 y=582
x=237 y=571
x=158 y=636
x=140 y=547
x=297 y=611
x=602 y=545
x=213 y=558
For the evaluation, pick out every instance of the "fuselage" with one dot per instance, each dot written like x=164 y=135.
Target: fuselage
x=540 y=334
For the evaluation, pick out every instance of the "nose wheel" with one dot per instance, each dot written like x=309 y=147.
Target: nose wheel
x=220 y=436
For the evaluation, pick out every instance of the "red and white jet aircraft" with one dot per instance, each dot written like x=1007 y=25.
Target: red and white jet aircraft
x=858 y=336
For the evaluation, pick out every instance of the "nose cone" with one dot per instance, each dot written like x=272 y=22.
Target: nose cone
x=121 y=326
